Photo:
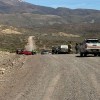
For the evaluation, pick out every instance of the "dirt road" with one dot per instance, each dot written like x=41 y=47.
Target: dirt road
x=31 y=43
x=53 y=77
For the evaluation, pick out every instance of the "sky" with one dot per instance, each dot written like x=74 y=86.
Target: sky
x=73 y=4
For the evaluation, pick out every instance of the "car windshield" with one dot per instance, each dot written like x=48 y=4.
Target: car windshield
x=92 y=41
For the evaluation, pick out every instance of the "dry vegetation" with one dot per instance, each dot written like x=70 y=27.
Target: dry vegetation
x=8 y=30
x=12 y=38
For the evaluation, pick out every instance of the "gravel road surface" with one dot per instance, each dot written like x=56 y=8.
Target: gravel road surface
x=53 y=77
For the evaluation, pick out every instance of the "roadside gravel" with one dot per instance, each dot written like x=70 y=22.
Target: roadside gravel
x=10 y=61
x=52 y=77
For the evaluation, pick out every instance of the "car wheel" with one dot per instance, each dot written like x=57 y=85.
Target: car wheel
x=81 y=54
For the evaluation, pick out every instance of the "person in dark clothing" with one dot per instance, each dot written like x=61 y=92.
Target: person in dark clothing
x=77 y=48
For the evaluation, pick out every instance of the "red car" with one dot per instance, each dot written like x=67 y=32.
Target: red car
x=24 y=52
x=27 y=52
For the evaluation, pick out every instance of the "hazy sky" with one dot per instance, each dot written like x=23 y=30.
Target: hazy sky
x=89 y=4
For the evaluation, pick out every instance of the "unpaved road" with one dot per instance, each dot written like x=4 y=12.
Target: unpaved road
x=31 y=43
x=53 y=77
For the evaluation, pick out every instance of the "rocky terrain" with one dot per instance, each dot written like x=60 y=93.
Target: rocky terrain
x=10 y=62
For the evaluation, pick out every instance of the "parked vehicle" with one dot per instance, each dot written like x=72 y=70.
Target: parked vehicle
x=55 y=49
x=44 y=52
x=21 y=51
x=63 y=49
x=60 y=49
x=90 y=46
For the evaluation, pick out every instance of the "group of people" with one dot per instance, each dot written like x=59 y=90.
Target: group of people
x=76 y=48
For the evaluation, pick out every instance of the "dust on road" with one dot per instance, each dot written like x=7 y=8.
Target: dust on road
x=54 y=77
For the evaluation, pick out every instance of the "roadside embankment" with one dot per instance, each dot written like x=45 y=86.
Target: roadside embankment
x=10 y=61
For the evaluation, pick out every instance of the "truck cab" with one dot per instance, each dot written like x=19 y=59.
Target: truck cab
x=90 y=46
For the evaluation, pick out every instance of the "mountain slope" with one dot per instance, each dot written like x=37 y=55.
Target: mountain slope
x=23 y=7
x=18 y=6
x=11 y=2
x=19 y=13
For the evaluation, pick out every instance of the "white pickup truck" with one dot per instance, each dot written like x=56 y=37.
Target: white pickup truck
x=90 y=46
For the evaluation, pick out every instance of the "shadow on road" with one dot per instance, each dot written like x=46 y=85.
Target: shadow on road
x=86 y=56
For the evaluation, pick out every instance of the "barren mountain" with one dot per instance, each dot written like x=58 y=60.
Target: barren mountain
x=22 y=14
x=19 y=6
x=13 y=6
x=68 y=15
x=11 y=2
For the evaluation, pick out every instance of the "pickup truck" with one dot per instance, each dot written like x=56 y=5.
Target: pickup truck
x=90 y=46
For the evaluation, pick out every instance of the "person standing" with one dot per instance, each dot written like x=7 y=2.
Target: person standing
x=69 y=47
x=77 y=48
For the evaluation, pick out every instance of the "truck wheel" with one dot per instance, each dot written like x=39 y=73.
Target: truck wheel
x=56 y=52
x=95 y=54
x=85 y=54
x=99 y=55
x=81 y=54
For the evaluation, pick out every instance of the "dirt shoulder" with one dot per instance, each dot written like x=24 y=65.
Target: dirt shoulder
x=9 y=62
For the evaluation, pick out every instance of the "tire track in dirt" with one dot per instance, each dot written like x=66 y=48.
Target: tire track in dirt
x=55 y=77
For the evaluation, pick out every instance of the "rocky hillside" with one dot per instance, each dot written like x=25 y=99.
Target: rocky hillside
x=46 y=23
x=12 y=7
x=18 y=6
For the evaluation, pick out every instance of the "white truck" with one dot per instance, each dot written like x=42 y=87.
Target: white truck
x=63 y=49
x=90 y=46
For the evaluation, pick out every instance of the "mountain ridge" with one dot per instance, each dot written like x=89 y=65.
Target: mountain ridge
x=26 y=7
x=15 y=11
x=49 y=25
